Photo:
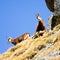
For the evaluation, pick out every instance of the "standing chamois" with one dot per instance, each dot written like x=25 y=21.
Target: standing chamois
x=40 y=29
x=41 y=24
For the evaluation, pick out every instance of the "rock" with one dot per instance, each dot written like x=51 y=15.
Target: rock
x=50 y=22
x=50 y=4
x=57 y=7
x=54 y=6
x=53 y=21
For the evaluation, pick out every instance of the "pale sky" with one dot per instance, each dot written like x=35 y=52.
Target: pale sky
x=18 y=17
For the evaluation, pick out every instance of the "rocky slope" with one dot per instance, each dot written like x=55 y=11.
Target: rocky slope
x=46 y=47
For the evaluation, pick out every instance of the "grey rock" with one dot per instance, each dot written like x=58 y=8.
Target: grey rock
x=57 y=7
x=54 y=6
x=51 y=22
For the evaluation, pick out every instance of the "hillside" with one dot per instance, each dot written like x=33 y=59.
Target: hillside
x=46 y=47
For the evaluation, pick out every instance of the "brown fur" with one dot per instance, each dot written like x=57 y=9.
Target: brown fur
x=40 y=25
x=40 y=29
x=19 y=39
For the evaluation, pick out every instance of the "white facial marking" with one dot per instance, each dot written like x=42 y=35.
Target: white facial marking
x=9 y=39
x=39 y=18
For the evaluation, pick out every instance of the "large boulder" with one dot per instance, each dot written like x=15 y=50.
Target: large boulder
x=53 y=21
x=50 y=4
x=54 y=6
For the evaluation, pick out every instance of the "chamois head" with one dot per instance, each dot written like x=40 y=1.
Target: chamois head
x=38 y=17
x=10 y=39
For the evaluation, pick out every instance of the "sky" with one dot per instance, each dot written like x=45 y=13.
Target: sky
x=18 y=17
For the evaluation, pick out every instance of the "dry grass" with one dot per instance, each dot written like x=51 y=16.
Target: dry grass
x=34 y=49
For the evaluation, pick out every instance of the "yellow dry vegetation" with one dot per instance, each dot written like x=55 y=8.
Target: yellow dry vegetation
x=35 y=49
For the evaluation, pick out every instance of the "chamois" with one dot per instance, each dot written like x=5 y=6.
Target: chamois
x=18 y=39
x=40 y=29
x=41 y=24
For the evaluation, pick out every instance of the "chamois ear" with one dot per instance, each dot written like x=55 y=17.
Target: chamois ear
x=9 y=39
x=37 y=15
